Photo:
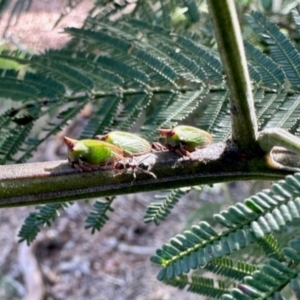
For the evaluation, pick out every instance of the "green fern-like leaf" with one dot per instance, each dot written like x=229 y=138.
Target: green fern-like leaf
x=270 y=72
x=125 y=70
x=229 y=268
x=268 y=211
x=48 y=213
x=156 y=212
x=110 y=8
x=183 y=105
x=198 y=285
x=12 y=142
x=197 y=247
x=51 y=128
x=71 y=77
x=265 y=282
x=287 y=116
x=282 y=50
x=133 y=108
x=40 y=86
x=102 y=118
x=44 y=215
x=156 y=118
x=29 y=229
x=190 y=70
x=47 y=86
x=216 y=117
x=177 y=106
x=18 y=90
x=98 y=216
x=270 y=247
x=86 y=63
x=267 y=104
x=127 y=50
x=208 y=64
x=261 y=214
x=254 y=74
x=293 y=251
x=5 y=119
x=207 y=287
x=204 y=57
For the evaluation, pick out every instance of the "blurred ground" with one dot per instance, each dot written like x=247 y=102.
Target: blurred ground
x=113 y=264
x=33 y=29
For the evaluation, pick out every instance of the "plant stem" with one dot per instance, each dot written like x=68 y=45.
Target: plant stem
x=49 y=182
x=231 y=49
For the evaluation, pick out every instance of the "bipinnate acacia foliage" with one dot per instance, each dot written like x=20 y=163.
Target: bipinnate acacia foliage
x=152 y=68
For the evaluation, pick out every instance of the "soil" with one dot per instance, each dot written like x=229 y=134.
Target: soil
x=111 y=264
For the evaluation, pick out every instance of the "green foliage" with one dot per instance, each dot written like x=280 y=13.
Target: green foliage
x=264 y=283
x=216 y=117
x=157 y=212
x=43 y=216
x=145 y=69
x=270 y=247
x=231 y=269
x=198 y=285
x=158 y=81
x=281 y=48
x=52 y=127
x=271 y=211
x=102 y=118
x=97 y=217
x=270 y=72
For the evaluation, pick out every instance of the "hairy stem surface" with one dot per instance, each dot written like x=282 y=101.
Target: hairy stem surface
x=231 y=49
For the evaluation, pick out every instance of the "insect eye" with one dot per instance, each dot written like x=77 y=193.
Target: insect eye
x=119 y=166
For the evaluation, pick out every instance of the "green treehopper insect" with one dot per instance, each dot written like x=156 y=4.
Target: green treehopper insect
x=184 y=139
x=88 y=154
x=130 y=143
x=85 y=155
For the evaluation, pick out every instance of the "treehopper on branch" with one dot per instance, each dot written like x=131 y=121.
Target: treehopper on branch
x=183 y=139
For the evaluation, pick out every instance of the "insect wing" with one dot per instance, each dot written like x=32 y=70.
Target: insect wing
x=192 y=136
x=132 y=144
